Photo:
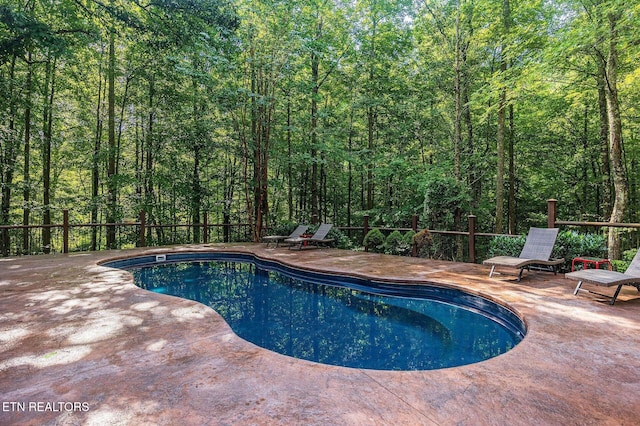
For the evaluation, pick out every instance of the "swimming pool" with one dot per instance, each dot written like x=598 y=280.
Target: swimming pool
x=336 y=320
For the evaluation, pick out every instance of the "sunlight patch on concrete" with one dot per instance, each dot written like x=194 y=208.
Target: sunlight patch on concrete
x=55 y=357
x=66 y=307
x=589 y=314
x=12 y=337
x=157 y=346
x=145 y=306
x=51 y=296
x=109 y=416
x=136 y=409
x=109 y=324
x=190 y=313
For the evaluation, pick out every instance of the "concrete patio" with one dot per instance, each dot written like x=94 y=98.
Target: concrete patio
x=80 y=344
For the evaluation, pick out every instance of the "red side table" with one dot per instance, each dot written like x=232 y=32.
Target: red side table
x=586 y=261
x=304 y=243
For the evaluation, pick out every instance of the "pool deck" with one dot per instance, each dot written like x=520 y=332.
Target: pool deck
x=72 y=331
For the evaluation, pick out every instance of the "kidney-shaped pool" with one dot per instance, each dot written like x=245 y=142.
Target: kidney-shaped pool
x=333 y=319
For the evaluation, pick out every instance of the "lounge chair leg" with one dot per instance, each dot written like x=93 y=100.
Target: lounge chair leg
x=577 y=288
x=615 y=295
x=493 y=268
x=520 y=274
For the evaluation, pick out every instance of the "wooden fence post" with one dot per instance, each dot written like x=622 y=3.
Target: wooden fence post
x=205 y=229
x=365 y=229
x=65 y=231
x=143 y=229
x=472 y=238
x=414 y=226
x=552 y=212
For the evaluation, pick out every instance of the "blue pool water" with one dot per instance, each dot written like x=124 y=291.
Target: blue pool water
x=335 y=320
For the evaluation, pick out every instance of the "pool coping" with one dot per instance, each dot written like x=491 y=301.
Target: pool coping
x=76 y=331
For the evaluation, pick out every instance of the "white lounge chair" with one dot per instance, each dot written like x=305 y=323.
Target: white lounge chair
x=606 y=278
x=536 y=251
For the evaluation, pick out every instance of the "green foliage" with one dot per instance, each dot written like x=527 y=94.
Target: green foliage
x=341 y=240
x=505 y=245
x=627 y=257
x=283 y=228
x=423 y=241
x=395 y=243
x=199 y=85
x=443 y=196
x=408 y=237
x=374 y=241
x=571 y=244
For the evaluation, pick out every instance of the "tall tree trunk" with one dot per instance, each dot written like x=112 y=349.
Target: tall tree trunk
x=95 y=160
x=502 y=125
x=350 y=167
x=196 y=190
x=584 y=138
x=371 y=117
x=111 y=158
x=149 y=164
x=620 y=184
x=604 y=209
x=290 y=183
x=9 y=153
x=26 y=173
x=513 y=228
x=315 y=64
x=49 y=90
x=457 y=139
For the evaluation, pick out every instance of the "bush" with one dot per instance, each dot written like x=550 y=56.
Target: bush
x=341 y=240
x=627 y=257
x=282 y=228
x=374 y=241
x=408 y=241
x=423 y=241
x=569 y=245
x=395 y=244
x=408 y=237
x=504 y=245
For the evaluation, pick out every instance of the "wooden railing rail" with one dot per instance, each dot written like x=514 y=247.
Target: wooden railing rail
x=145 y=228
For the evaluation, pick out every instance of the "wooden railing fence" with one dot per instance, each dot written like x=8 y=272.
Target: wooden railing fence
x=139 y=233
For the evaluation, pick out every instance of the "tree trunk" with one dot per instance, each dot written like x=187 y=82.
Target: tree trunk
x=9 y=153
x=49 y=90
x=457 y=139
x=290 y=184
x=26 y=174
x=513 y=228
x=371 y=117
x=315 y=63
x=502 y=126
x=620 y=184
x=604 y=209
x=111 y=160
x=95 y=161
x=196 y=190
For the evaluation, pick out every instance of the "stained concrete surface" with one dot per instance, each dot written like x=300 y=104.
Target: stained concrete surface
x=81 y=345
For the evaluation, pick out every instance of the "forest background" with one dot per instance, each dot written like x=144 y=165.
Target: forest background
x=272 y=112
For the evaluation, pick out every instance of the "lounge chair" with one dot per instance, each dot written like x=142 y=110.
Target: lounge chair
x=319 y=237
x=536 y=251
x=606 y=278
x=301 y=229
